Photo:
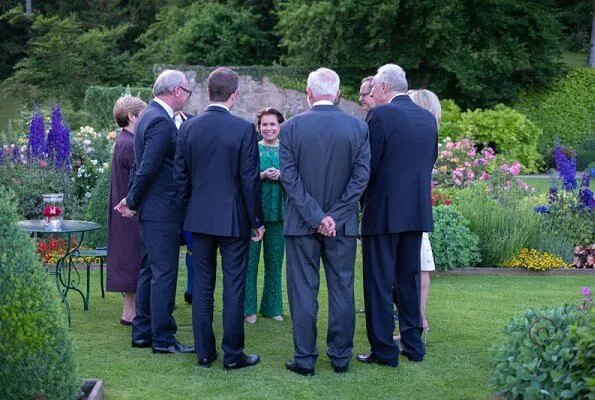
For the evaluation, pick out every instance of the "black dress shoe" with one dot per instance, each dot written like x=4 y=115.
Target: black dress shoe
x=142 y=343
x=340 y=370
x=246 y=361
x=412 y=356
x=370 y=358
x=207 y=362
x=187 y=297
x=293 y=367
x=176 y=348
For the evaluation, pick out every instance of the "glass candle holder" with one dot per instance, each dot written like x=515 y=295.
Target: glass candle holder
x=53 y=211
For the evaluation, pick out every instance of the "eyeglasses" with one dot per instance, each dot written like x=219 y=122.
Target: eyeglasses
x=188 y=92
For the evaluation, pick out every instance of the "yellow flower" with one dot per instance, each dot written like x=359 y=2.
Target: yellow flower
x=112 y=135
x=536 y=260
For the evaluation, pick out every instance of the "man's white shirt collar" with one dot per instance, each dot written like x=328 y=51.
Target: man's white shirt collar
x=220 y=105
x=170 y=111
x=323 y=103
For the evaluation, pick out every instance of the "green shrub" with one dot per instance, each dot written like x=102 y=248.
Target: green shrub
x=99 y=102
x=512 y=134
x=97 y=212
x=585 y=153
x=30 y=181
x=504 y=224
x=453 y=244
x=36 y=359
x=546 y=354
x=565 y=112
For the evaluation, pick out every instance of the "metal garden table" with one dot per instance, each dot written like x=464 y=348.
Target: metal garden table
x=67 y=276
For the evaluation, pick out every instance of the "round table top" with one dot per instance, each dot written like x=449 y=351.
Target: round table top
x=68 y=226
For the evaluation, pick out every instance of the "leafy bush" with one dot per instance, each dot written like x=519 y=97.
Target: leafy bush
x=512 y=134
x=546 y=354
x=30 y=181
x=504 y=224
x=97 y=212
x=36 y=359
x=565 y=112
x=99 y=102
x=453 y=244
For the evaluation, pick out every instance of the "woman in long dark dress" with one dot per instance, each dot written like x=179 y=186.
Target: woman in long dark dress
x=123 y=234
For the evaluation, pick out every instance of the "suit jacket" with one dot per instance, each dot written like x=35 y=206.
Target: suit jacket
x=325 y=166
x=151 y=188
x=218 y=173
x=404 y=146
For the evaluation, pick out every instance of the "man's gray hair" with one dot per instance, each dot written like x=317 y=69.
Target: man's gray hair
x=324 y=82
x=393 y=76
x=167 y=81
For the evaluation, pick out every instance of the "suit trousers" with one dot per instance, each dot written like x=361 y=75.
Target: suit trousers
x=392 y=260
x=156 y=288
x=303 y=281
x=234 y=260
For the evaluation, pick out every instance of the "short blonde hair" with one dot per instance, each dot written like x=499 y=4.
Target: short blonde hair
x=427 y=99
x=127 y=105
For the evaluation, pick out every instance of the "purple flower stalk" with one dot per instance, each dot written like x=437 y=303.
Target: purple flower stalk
x=16 y=154
x=63 y=148
x=54 y=132
x=36 y=136
x=553 y=195
x=566 y=167
x=587 y=199
x=586 y=179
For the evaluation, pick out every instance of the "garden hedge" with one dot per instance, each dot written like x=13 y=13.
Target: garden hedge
x=99 y=102
x=36 y=357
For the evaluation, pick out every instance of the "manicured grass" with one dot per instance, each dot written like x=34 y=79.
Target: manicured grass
x=542 y=185
x=466 y=314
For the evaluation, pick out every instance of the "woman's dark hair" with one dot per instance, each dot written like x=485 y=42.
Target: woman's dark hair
x=268 y=111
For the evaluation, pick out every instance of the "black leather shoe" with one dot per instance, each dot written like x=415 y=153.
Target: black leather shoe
x=246 y=361
x=187 y=297
x=412 y=356
x=370 y=358
x=142 y=343
x=293 y=367
x=340 y=370
x=176 y=348
x=207 y=362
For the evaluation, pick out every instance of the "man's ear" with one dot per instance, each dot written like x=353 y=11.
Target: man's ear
x=338 y=97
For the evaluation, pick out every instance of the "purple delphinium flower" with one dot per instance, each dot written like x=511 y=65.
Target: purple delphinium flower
x=63 y=147
x=587 y=199
x=585 y=179
x=55 y=125
x=566 y=167
x=553 y=195
x=36 y=136
x=16 y=154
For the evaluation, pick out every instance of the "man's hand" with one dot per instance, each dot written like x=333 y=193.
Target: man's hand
x=258 y=234
x=327 y=227
x=122 y=208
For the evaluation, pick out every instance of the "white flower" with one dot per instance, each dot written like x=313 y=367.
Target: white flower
x=89 y=150
x=105 y=165
x=100 y=170
x=87 y=195
x=87 y=142
x=94 y=162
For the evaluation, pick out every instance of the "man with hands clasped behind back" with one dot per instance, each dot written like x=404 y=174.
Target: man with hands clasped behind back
x=325 y=156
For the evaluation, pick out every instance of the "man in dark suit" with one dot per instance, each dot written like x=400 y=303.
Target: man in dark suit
x=152 y=195
x=217 y=171
x=325 y=156
x=397 y=208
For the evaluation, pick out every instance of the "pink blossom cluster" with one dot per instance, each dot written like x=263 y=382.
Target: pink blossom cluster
x=459 y=163
x=506 y=178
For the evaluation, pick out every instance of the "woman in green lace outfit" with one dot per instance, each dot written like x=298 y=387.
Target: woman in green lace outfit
x=273 y=205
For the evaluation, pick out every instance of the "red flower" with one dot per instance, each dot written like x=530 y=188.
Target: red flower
x=51 y=211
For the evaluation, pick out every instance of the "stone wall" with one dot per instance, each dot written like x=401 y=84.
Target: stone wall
x=255 y=94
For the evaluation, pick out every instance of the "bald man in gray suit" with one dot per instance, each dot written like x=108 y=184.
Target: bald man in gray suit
x=325 y=166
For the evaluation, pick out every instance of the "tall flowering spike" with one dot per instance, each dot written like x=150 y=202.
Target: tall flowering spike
x=16 y=154
x=36 y=135
x=54 y=132
x=587 y=199
x=63 y=147
x=566 y=167
x=586 y=180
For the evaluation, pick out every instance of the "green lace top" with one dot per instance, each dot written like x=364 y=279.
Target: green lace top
x=273 y=195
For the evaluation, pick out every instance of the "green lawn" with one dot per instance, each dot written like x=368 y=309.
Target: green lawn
x=542 y=185
x=466 y=314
